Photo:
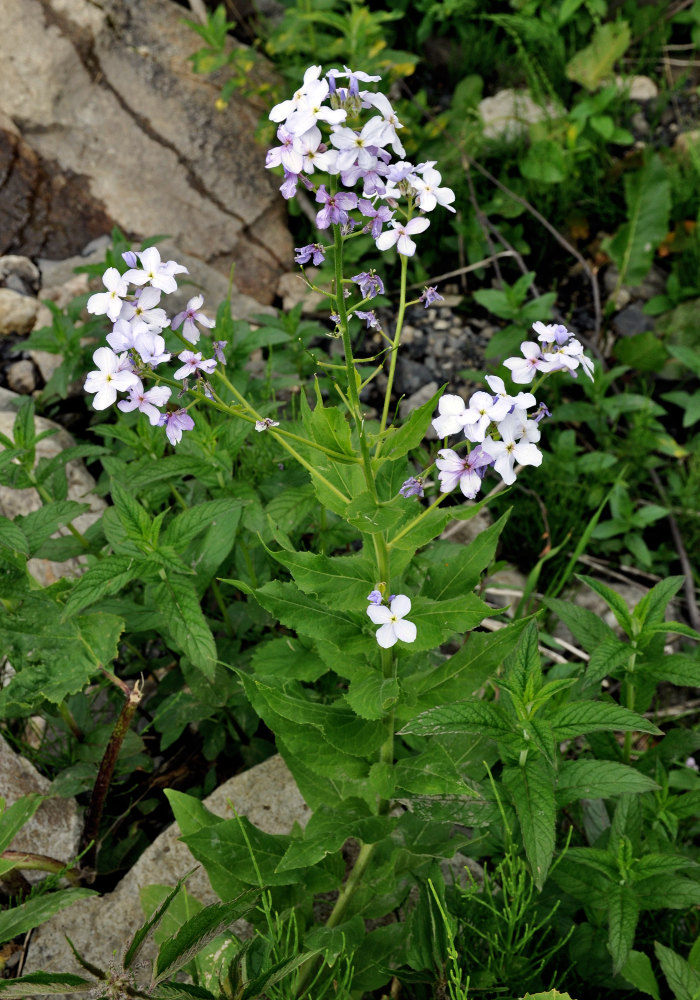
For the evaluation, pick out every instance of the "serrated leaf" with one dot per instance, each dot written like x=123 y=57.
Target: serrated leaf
x=484 y=718
x=133 y=518
x=453 y=570
x=190 y=523
x=134 y=947
x=588 y=629
x=309 y=617
x=623 y=914
x=202 y=928
x=107 y=577
x=12 y=536
x=40 y=524
x=37 y=910
x=179 y=604
x=580 y=717
x=45 y=983
x=329 y=828
x=399 y=441
x=594 y=779
x=613 y=600
x=533 y=796
x=683 y=979
x=341 y=582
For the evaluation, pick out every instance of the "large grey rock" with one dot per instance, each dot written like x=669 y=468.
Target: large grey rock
x=508 y=113
x=266 y=794
x=101 y=90
x=55 y=827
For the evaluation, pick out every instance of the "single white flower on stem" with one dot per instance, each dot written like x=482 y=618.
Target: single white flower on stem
x=451 y=416
x=111 y=377
x=110 y=302
x=523 y=369
x=401 y=235
x=392 y=621
x=511 y=449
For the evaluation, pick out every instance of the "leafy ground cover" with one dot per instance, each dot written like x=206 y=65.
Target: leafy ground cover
x=225 y=594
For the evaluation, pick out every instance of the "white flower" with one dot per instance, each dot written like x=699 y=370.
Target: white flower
x=112 y=376
x=401 y=235
x=109 y=302
x=430 y=193
x=392 y=621
x=146 y=401
x=265 y=424
x=523 y=369
x=508 y=451
x=154 y=271
x=451 y=420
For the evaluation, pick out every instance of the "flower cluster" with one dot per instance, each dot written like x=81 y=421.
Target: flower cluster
x=364 y=154
x=504 y=429
x=136 y=343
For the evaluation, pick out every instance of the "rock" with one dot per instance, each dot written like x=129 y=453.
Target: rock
x=407 y=406
x=293 y=289
x=21 y=377
x=122 y=131
x=17 y=312
x=687 y=141
x=638 y=88
x=508 y=113
x=80 y=488
x=20 y=274
x=266 y=794
x=631 y=321
x=410 y=376
x=56 y=826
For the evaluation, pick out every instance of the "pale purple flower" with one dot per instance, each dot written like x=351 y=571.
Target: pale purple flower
x=354 y=78
x=336 y=207
x=315 y=250
x=111 y=377
x=265 y=424
x=378 y=216
x=143 y=313
x=430 y=295
x=510 y=450
x=189 y=317
x=146 y=401
x=109 y=303
x=465 y=471
x=218 y=347
x=290 y=154
x=413 y=487
x=369 y=317
x=370 y=284
x=551 y=333
x=375 y=597
x=191 y=363
x=122 y=336
x=523 y=369
x=569 y=356
x=130 y=258
x=358 y=148
x=288 y=188
x=151 y=348
x=175 y=422
x=392 y=621
x=390 y=123
x=400 y=235
x=154 y=271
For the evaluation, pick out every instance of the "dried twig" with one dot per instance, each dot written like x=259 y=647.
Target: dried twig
x=689 y=584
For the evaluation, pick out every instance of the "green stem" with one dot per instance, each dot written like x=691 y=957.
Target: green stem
x=394 y=350
x=629 y=697
x=67 y=717
x=219 y=598
x=411 y=525
x=26 y=861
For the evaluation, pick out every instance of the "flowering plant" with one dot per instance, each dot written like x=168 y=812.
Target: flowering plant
x=392 y=747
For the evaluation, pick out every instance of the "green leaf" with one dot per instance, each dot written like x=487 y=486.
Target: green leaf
x=107 y=577
x=37 y=910
x=398 y=442
x=683 y=979
x=623 y=914
x=309 y=617
x=595 y=62
x=437 y=621
x=638 y=972
x=45 y=983
x=453 y=570
x=532 y=792
x=329 y=828
x=132 y=950
x=202 y=928
x=594 y=779
x=40 y=524
x=372 y=696
x=13 y=818
x=341 y=582
x=544 y=162
x=12 y=536
x=648 y=197
x=588 y=629
x=485 y=718
x=178 y=602
x=190 y=523
x=614 y=602
x=132 y=516
x=581 y=717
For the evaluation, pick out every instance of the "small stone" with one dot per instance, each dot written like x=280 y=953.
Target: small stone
x=407 y=406
x=20 y=267
x=639 y=123
x=621 y=298
x=638 y=88
x=441 y=324
x=631 y=321
x=687 y=141
x=292 y=289
x=17 y=312
x=21 y=377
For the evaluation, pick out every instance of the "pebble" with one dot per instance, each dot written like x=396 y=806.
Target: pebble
x=20 y=274
x=21 y=377
x=17 y=312
x=631 y=321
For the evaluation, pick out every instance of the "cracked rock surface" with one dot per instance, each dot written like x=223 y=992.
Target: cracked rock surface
x=102 y=122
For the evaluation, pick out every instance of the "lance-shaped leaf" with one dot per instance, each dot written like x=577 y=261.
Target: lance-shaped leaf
x=179 y=604
x=532 y=792
x=37 y=910
x=199 y=931
x=107 y=577
x=44 y=984
x=484 y=718
x=638 y=971
x=581 y=717
x=598 y=779
x=329 y=828
x=134 y=947
x=681 y=976
x=623 y=914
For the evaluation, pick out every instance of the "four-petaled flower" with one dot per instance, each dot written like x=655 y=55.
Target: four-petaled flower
x=175 y=422
x=265 y=424
x=114 y=375
x=110 y=302
x=401 y=235
x=189 y=316
x=146 y=401
x=193 y=363
x=392 y=621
